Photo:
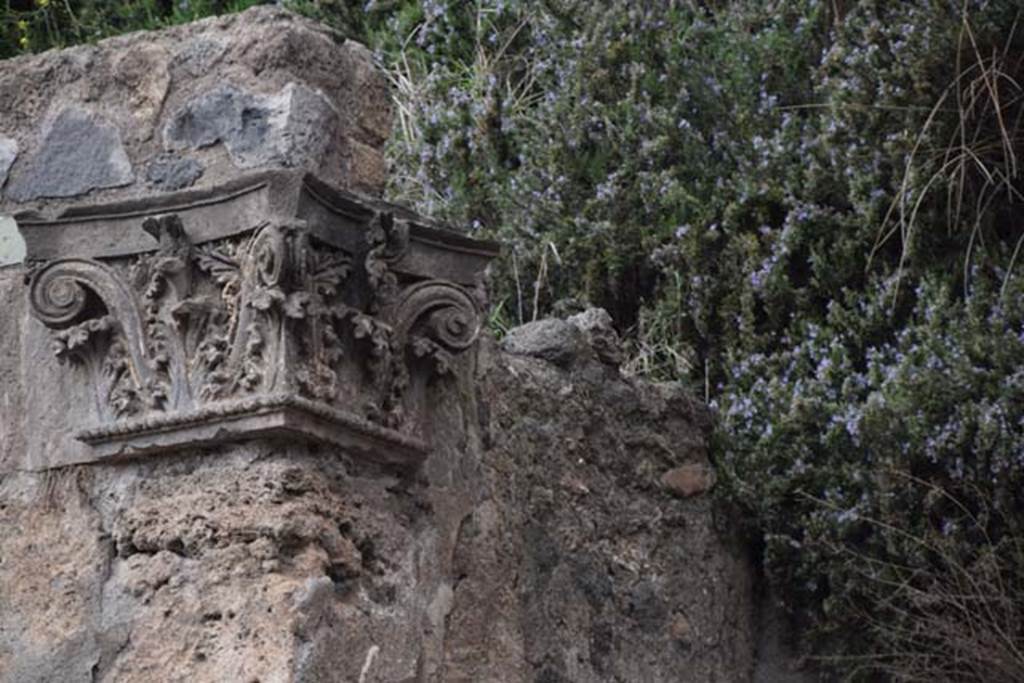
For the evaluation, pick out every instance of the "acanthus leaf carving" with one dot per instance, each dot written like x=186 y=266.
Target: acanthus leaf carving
x=389 y=240
x=186 y=330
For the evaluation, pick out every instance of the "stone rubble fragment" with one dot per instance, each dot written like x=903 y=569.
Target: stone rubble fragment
x=689 y=480
x=554 y=340
x=287 y=129
x=168 y=172
x=597 y=324
x=563 y=342
x=80 y=152
x=8 y=153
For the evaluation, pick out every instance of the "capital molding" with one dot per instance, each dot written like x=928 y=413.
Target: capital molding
x=271 y=306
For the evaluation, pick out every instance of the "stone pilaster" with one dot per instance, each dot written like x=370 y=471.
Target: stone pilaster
x=253 y=426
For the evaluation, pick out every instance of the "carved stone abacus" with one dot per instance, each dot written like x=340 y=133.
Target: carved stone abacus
x=275 y=305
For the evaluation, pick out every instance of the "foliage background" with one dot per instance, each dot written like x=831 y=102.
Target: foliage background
x=807 y=210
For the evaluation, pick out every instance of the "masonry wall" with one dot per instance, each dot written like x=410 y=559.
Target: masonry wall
x=190 y=107
x=560 y=528
x=538 y=543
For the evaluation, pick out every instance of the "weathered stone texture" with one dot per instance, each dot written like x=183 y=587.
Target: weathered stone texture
x=599 y=329
x=8 y=153
x=54 y=562
x=78 y=153
x=608 y=576
x=535 y=543
x=12 y=390
x=261 y=89
x=551 y=339
x=168 y=172
x=553 y=525
x=274 y=305
x=282 y=129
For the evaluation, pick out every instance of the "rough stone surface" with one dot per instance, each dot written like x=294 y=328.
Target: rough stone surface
x=608 y=577
x=168 y=172
x=306 y=98
x=551 y=339
x=8 y=153
x=12 y=246
x=12 y=385
x=536 y=543
x=597 y=325
x=79 y=152
x=285 y=129
x=689 y=480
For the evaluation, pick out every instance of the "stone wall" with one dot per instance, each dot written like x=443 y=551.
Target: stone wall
x=190 y=106
x=512 y=512
x=540 y=542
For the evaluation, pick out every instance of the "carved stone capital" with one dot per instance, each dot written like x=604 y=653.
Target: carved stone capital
x=273 y=306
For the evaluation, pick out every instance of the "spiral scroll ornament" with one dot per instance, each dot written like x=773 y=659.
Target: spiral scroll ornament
x=82 y=293
x=60 y=292
x=442 y=312
x=269 y=252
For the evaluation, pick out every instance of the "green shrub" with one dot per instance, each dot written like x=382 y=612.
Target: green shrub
x=805 y=207
x=847 y=455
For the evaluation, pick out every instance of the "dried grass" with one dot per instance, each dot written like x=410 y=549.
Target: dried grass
x=957 y=617
x=981 y=161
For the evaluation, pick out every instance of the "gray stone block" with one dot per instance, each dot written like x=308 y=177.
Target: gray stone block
x=210 y=118
x=290 y=128
x=8 y=153
x=80 y=152
x=167 y=172
x=553 y=340
x=597 y=325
